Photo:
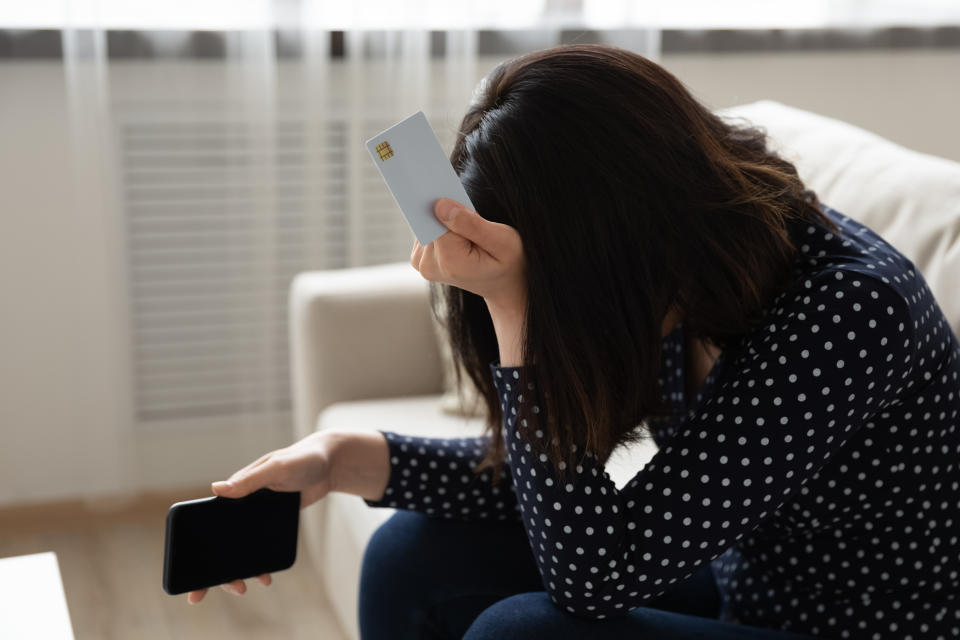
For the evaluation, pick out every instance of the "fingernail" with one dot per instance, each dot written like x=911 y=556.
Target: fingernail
x=222 y=484
x=447 y=210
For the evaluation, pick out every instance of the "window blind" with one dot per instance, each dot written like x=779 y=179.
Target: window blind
x=220 y=215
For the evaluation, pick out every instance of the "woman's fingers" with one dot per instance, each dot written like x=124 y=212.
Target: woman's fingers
x=471 y=225
x=246 y=482
x=427 y=262
x=256 y=463
x=228 y=488
x=416 y=254
x=237 y=586
x=480 y=256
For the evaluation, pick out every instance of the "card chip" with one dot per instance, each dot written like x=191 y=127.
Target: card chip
x=384 y=150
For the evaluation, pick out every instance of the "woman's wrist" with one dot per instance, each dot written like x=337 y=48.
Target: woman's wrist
x=508 y=323
x=360 y=462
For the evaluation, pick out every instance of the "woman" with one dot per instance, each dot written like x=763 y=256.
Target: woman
x=640 y=261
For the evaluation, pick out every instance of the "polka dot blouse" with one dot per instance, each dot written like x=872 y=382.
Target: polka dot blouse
x=816 y=469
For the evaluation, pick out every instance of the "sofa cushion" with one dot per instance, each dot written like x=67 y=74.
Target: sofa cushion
x=412 y=415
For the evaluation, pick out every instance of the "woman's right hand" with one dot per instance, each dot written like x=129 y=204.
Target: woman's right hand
x=304 y=466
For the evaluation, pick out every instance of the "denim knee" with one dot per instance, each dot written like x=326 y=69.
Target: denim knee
x=525 y=616
x=380 y=557
x=388 y=599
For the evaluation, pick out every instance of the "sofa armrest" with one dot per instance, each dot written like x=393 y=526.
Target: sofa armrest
x=358 y=333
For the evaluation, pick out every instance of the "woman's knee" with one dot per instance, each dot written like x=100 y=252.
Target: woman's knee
x=393 y=593
x=393 y=548
x=525 y=616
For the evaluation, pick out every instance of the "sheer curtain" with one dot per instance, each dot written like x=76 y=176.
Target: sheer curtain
x=223 y=161
x=221 y=164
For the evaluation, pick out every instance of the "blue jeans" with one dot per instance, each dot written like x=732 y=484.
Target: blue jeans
x=437 y=579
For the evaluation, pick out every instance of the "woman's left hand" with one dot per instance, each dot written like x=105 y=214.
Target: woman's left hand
x=477 y=255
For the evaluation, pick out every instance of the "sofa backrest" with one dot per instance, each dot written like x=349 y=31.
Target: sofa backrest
x=912 y=199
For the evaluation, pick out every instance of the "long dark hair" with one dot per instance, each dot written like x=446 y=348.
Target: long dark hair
x=631 y=199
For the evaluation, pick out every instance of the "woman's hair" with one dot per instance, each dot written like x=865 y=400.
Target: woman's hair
x=631 y=199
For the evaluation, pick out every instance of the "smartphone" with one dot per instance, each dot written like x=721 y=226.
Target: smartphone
x=214 y=540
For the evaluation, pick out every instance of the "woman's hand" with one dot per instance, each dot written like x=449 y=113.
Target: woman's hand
x=237 y=586
x=480 y=256
x=304 y=466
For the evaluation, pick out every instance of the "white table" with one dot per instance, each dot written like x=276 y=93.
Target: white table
x=32 y=602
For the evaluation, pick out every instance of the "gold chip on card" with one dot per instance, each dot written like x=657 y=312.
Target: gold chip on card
x=384 y=150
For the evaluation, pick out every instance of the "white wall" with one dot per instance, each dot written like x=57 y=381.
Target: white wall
x=65 y=409
x=907 y=96
x=58 y=421
x=66 y=416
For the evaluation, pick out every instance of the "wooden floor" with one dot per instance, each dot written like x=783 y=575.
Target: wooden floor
x=111 y=556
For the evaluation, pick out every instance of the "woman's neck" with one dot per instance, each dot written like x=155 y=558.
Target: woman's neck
x=699 y=358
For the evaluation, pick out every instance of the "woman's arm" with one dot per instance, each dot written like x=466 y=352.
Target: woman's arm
x=427 y=474
x=361 y=462
x=508 y=321
x=772 y=422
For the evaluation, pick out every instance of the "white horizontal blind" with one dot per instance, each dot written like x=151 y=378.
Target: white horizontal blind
x=236 y=175
x=220 y=215
x=208 y=246
x=385 y=235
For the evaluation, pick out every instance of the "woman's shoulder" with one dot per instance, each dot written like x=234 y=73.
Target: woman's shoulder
x=851 y=256
x=851 y=292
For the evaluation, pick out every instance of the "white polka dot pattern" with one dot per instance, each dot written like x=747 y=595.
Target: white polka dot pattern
x=434 y=476
x=816 y=469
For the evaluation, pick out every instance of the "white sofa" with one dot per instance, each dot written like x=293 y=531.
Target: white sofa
x=365 y=354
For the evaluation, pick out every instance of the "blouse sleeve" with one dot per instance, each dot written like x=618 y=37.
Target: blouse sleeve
x=435 y=476
x=793 y=392
x=670 y=382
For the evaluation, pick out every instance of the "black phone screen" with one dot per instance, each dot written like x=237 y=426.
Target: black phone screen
x=215 y=540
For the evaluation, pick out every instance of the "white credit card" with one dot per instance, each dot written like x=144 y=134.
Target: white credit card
x=417 y=172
